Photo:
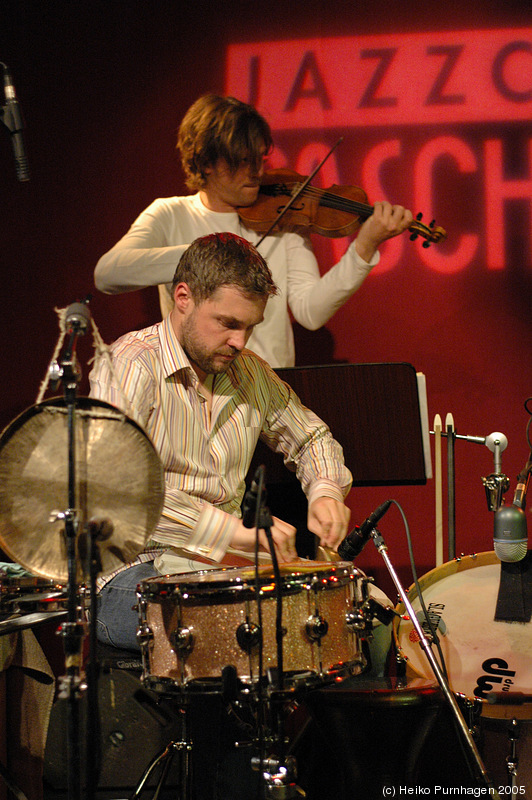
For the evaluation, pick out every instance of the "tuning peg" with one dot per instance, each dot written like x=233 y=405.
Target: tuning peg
x=419 y=216
x=426 y=244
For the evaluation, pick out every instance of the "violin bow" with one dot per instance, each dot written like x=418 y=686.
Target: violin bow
x=299 y=192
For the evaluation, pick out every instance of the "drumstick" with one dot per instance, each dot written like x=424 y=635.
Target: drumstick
x=438 y=490
x=451 y=546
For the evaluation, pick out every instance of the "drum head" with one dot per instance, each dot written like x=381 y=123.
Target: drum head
x=118 y=478
x=481 y=655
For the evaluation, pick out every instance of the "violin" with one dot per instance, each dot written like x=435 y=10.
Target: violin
x=333 y=212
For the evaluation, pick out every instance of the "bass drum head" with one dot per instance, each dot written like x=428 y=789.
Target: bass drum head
x=481 y=655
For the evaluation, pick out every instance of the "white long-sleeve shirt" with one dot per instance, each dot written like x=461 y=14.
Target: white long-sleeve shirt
x=149 y=252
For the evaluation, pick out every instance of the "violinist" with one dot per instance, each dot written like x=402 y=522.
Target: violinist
x=223 y=144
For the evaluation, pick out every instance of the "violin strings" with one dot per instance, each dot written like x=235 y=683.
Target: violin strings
x=350 y=206
x=337 y=201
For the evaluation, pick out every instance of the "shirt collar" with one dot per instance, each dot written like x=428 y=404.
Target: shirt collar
x=173 y=357
x=174 y=360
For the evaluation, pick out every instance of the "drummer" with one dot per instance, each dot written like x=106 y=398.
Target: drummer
x=205 y=400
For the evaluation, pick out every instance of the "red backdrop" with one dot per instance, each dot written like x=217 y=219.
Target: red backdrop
x=435 y=111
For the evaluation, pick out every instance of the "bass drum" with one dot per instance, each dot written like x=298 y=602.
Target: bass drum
x=481 y=655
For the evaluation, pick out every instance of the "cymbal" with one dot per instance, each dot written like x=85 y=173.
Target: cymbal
x=119 y=485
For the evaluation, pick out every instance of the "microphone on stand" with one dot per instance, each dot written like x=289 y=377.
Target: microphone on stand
x=251 y=498
x=354 y=542
x=12 y=119
x=510 y=536
x=523 y=479
x=78 y=317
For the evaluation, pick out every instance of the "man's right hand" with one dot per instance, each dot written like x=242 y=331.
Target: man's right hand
x=283 y=535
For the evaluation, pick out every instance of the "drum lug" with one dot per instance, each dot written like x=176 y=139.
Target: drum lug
x=183 y=640
x=316 y=627
x=144 y=636
x=248 y=636
x=356 y=620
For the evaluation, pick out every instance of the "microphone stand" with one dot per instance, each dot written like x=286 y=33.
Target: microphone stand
x=71 y=685
x=279 y=772
x=82 y=549
x=470 y=746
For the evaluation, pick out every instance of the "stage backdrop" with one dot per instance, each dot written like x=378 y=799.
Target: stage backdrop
x=434 y=110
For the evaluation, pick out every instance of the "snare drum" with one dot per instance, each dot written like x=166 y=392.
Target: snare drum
x=481 y=655
x=193 y=625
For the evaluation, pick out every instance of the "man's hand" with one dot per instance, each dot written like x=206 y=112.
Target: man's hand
x=283 y=535
x=385 y=222
x=328 y=519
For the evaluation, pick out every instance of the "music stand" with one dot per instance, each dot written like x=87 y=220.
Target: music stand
x=377 y=412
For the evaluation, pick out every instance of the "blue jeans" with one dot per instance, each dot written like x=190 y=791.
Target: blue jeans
x=118 y=618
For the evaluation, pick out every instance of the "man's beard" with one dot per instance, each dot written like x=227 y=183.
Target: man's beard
x=198 y=353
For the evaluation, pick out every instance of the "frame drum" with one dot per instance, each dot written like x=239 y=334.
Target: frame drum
x=193 y=625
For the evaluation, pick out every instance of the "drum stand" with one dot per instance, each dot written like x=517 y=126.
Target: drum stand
x=471 y=750
x=164 y=761
x=512 y=760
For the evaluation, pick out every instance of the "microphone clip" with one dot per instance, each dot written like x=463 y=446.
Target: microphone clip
x=495 y=485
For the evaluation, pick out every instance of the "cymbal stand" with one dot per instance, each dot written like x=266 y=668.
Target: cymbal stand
x=72 y=684
x=470 y=748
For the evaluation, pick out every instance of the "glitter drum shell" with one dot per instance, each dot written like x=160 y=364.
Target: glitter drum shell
x=194 y=625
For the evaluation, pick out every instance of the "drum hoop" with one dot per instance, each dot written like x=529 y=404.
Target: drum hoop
x=32 y=582
x=188 y=586
x=460 y=564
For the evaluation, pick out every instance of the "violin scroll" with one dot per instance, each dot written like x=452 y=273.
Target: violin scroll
x=431 y=233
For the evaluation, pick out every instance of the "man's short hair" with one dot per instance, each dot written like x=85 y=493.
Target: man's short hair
x=223 y=259
x=217 y=127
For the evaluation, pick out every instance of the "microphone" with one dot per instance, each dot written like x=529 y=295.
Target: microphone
x=249 y=506
x=354 y=542
x=12 y=118
x=77 y=317
x=523 y=479
x=510 y=537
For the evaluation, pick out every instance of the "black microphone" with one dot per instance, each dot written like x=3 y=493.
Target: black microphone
x=354 y=542
x=523 y=479
x=510 y=536
x=12 y=119
x=249 y=506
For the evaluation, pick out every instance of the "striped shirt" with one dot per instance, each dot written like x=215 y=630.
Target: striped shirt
x=206 y=456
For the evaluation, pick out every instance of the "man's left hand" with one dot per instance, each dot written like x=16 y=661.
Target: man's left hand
x=328 y=519
x=386 y=222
